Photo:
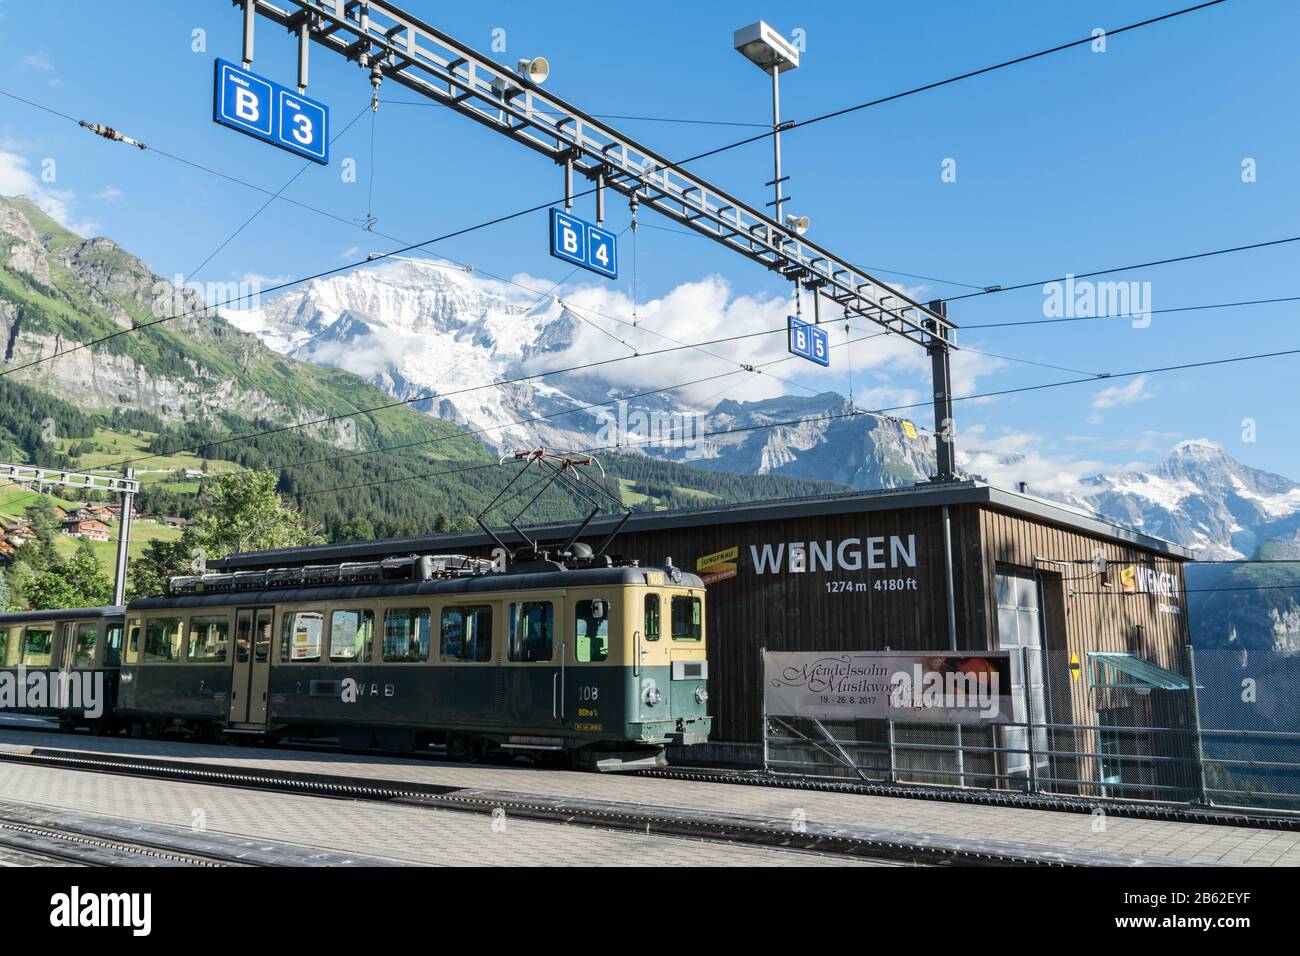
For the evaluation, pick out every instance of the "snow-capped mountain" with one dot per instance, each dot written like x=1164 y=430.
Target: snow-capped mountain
x=418 y=329
x=1202 y=497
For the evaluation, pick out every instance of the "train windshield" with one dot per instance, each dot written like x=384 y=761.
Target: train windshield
x=688 y=619
x=591 y=626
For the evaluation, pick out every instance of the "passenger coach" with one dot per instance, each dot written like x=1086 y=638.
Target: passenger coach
x=67 y=660
x=604 y=664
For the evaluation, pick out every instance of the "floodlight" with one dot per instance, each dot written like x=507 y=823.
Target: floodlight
x=535 y=69
x=765 y=48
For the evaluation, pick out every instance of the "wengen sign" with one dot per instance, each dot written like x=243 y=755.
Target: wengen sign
x=931 y=688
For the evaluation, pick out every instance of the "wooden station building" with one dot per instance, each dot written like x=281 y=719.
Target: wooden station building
x=1097 y=608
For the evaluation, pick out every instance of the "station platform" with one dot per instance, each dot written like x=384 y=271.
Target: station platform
x=1073 y=837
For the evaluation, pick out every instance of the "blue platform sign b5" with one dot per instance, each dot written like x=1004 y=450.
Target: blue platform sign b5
x=809 y=341
x=579 y=242
x=270 y=112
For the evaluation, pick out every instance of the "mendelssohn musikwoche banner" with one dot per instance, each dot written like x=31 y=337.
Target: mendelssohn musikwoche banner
x=931 y=688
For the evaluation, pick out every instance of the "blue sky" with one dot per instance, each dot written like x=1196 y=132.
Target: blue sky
x=1072 y=163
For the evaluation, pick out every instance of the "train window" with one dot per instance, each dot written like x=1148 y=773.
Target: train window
x=113 y=645
x=687 y=618
x=4 y=645
x=133 y=641
x=37 y=645
x=209 y=637
x=467 y=634
x=591 y=631
x=532 y=631
x=406 y=634
x=84 y=648
x=652 y=610
x=162 y=640
x=301 y=634
x=350 y=633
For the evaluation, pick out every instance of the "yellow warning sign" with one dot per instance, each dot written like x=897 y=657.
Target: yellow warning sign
x=1128 y=578
x=909 y=429
x=1075 y=666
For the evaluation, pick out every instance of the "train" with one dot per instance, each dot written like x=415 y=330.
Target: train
x=590 y=662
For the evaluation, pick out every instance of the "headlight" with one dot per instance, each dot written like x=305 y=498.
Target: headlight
x=701 y=695
x=653 y=696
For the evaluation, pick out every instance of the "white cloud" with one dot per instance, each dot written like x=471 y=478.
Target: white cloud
x=692 y=312
x=17 y=180
x=1010 y=456
x=1007 y=456
x=889 y=396
x=1145 y=442
x=109 y=194
x=38 y=61
x=351 y=253
x=260 y=281
x=1114 y=396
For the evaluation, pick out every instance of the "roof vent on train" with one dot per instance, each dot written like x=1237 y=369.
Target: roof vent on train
x=416 y=567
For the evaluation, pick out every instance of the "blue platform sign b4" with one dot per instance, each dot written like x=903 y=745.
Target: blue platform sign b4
x=579 y=242
x=809 y=341
x=270 y=112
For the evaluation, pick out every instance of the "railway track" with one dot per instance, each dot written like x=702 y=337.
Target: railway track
x=36 y=845
x=854 y=841
x=1227 y=817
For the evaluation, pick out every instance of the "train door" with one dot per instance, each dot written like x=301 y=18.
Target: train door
x=252 y=665
x=77 y=641
x=559 y=692
x=589 y=697
x=531 y=685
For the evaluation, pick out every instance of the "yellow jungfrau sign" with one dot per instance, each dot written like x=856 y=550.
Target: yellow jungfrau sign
x=718 y=566
x=909 y=429
x=718 y=557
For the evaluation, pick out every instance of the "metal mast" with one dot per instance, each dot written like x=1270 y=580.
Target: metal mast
x=126 y=486
x=388 y=42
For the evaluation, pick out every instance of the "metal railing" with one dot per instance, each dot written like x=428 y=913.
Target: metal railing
x=1216 y=746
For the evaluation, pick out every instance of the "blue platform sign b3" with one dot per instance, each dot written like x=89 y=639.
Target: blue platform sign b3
x=270 y=112
x=579 y=242
x=809 y=341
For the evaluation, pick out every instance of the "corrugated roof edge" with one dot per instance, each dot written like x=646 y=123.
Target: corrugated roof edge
x=931 y=495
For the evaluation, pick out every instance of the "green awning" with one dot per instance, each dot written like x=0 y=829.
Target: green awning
x=1109 y=669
